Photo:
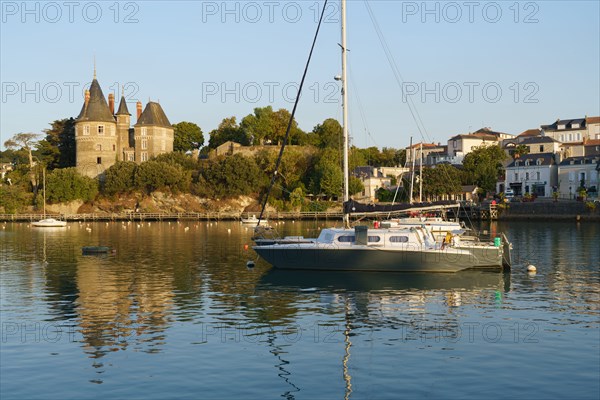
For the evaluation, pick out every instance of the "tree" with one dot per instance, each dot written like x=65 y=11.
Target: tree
x=355 y=185
x=483 y=166
x=266 y=126
x=444 y=179
x=57 y=149
x=328 y=177
x=329 y=134
x=520 y=150
x=187 y=136
x=228 y=130
x=24 y=141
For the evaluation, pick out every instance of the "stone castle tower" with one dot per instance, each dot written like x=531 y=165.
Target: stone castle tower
x=102 y=137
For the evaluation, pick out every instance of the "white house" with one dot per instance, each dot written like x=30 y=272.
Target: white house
x=575 y=171
x=533 y=173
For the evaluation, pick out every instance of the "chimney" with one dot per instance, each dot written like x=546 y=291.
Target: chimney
x=87 y=97
x=111 y=103
x=138 y=107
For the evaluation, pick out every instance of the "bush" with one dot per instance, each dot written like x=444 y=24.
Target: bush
x=119 y=178
x=233 y=176
x=157 y=175
x=13 y=199
x=67 y=184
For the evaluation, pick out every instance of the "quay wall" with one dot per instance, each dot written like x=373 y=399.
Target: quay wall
x=550 y=211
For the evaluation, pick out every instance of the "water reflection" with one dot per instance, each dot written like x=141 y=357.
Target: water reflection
x=169 y=288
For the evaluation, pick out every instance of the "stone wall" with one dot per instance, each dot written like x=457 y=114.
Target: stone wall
x=561 y=210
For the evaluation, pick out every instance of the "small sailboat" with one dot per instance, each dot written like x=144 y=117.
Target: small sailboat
x=252 y=220
x=48 y=222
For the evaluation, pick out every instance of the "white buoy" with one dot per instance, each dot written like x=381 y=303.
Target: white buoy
x=531 y=268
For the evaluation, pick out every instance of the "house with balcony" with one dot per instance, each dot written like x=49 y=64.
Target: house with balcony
x=533 y=173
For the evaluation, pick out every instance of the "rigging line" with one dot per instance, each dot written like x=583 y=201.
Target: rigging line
x=289 y=127
x=399 y=78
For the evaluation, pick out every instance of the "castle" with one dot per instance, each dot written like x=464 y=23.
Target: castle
x=102 y=137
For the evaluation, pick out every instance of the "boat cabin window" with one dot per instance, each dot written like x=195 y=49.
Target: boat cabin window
x=346 y=238
x=398 y=239
x=374 y=239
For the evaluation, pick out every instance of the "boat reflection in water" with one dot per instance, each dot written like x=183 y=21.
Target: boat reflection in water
x=468 y=280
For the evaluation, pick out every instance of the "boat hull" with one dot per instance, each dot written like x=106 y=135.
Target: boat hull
x=49 y=223
x=367 y=258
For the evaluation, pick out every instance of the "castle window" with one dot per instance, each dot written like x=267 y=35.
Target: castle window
x=539 y=161
x=100 y=129
x=144 y=144
x=144 y=156
x=86 y=129
x=562 y=138
x=570 y=137
x=131 y=157
x=526 y=176
x=527 y=163
x=98 y=147
x=516 y=176
x=537 y=176
x=144 y=132
x=99 y=160
x=541 y=148
x=114 y=147
x=578 y=136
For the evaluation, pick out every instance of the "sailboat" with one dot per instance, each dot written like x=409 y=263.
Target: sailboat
x=48 y=222
x=387 y=248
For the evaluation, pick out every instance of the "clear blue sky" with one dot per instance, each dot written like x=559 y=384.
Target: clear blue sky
x=507 y=65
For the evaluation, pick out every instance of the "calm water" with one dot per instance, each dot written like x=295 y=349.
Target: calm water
x=175 y=313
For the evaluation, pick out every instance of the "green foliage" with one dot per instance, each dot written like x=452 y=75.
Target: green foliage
x=387 y=157
x=119 y=178
x=13 y=198
x=267 y=126
x=57 y=149
x=520 y=150
x=384 y=195
x=157 y=175
x=355 y=186
x=177 y=158
x=318 y=206
x=233 y=176
x=228 y=130
x=441 y=180
x=67 y=184
x=483 y=166
x=187 y=136
x=328 y=177
x=297 y=198
x=329 y=134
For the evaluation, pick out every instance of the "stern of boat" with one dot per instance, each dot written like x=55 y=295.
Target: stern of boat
x=506 y=252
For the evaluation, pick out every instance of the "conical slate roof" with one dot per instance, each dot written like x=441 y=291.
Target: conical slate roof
x=123 y=107
x=96 y=109
x=153 y=115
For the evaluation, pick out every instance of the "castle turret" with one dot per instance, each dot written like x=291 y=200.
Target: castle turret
x=95 y=134
x=125 y=146
x=153 y=133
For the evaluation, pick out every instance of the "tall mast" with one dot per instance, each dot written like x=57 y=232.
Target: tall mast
x=412 y=171
x=345 y=109
x=421 y=173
